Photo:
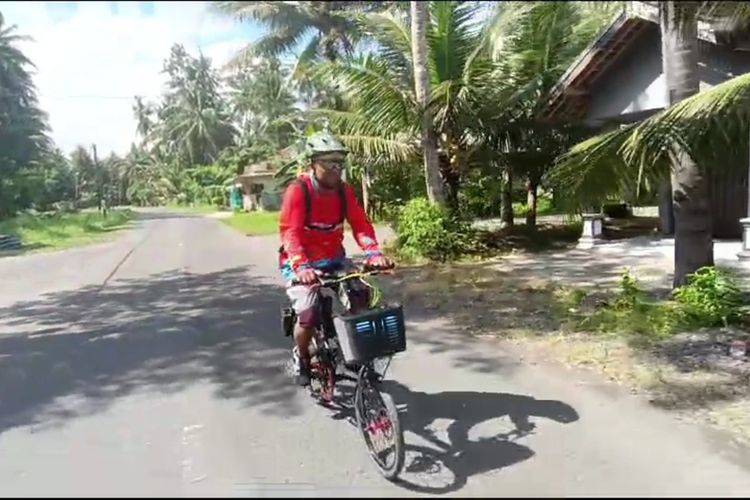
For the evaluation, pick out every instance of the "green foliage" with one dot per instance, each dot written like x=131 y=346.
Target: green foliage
x=711 y=126
x=632 y=314
x=481 y=195
x=332 y=24
x=23 y=126
x=263 y=101
x=58 y=230
x=544 y=206
x=426 y=230
x=710 y=298
x=630 y=293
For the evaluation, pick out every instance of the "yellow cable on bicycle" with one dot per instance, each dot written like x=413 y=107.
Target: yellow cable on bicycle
x=377 y=293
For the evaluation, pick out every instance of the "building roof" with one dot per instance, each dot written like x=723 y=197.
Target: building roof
x=569 y=97
x=267 y=167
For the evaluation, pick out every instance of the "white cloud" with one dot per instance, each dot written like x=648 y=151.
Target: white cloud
x=91 y=62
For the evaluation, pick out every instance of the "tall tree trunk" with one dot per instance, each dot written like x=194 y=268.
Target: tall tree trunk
x=366 y=190
x=451 y=179
x=690 y=186
x=506 y=200
x=531 y=202
x=666 y=209
x=419 y=20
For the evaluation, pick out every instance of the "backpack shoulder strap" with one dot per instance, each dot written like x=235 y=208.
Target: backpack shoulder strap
x=344 y=207
x=306 y=193
x=308 y=201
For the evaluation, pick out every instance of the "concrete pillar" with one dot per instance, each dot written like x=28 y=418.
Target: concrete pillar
x=745 y=253
x=593 y=230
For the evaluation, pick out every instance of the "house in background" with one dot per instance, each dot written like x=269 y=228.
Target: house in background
x=260 y=189
x=619 y=79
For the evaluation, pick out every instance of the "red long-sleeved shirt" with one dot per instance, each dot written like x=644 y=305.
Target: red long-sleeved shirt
x=305 y=246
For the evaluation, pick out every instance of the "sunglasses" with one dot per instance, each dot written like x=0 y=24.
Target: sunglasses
x=331 y=164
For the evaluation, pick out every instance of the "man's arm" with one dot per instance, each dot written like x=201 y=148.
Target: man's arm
x=362 y=228
x=292 y=224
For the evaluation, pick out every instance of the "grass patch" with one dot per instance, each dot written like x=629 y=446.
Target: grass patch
x=710 y=299
x=58 y=231
x=254 y=223
x=544 y=206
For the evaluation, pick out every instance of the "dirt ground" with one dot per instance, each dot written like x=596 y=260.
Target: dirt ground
x=518 y=298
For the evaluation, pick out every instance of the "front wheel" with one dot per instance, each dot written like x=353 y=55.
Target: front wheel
x=377 y=419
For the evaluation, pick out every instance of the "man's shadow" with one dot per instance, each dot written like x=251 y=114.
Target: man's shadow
x=444 y=465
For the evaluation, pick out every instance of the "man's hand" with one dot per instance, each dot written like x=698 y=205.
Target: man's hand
x=380 y=262
x=307 y=276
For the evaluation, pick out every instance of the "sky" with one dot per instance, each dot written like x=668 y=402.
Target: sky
x=92 y=58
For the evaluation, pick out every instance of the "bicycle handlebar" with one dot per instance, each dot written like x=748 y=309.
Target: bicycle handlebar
x=328 y=279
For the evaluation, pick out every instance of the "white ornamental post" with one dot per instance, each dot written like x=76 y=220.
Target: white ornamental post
x=745 y=253
x=592 y=233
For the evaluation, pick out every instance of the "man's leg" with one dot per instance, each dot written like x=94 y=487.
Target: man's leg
x=305 y=303
x=302 y=337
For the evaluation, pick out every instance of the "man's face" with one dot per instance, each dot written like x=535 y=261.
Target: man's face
x=328 y=168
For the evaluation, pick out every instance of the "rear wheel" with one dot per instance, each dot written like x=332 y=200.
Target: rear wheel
x=377 y=419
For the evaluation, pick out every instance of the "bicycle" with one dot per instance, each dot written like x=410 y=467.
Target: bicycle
x=353 y=341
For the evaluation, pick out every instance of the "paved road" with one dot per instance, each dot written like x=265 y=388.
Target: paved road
x=152 y=365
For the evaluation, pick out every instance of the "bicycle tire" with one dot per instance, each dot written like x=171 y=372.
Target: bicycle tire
x=364 y=382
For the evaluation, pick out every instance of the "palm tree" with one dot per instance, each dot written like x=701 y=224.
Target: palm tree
x=697 y=131
x=261 y=95
x=533 y=43
x=144 y=118
x=331 y=25
x=192 y=123
x=678 y=23
x=471 y=93
x=381 y=120
x=419 y=22
x=23 y=126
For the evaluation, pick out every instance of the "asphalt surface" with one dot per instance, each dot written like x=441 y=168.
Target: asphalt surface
x=153 y=365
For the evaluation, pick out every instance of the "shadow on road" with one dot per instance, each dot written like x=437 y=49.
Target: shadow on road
x=74 y=353
x=445 y=465
x=480 y=436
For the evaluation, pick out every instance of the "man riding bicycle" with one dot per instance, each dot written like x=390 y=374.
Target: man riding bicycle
x=311 y=226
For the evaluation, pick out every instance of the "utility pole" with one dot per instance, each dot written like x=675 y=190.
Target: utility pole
x=99 y=182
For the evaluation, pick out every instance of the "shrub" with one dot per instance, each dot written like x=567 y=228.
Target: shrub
x=544 y=206
x=429 y=231
x=711 y=298
x=630 y=293
x=632 y=314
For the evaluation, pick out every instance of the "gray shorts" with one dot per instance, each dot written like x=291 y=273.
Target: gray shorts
x=305 y=301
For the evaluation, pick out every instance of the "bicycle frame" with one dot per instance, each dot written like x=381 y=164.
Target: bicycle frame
x=381 y=430
x=324 y=370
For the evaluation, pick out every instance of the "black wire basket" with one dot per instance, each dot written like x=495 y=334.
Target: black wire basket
x=373 y=334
